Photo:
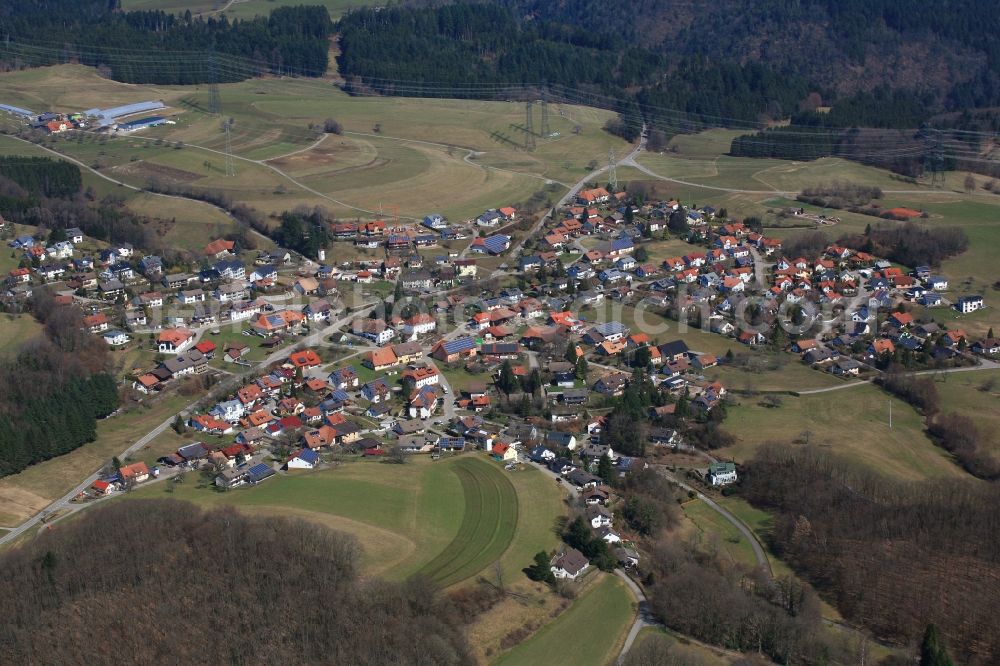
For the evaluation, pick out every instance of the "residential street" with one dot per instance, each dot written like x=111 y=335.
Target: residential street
x=515 y=250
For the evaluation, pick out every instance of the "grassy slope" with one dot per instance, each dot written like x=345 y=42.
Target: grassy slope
x=491 y=509
x=792 y=376
x=681 y=648
x=420 y=517
x=30 y=491
x=360 y=169
x=977 y=396
x=852 y=422
x=589 y=632
x=15 y=330
x=730 y=543
x=403 y=515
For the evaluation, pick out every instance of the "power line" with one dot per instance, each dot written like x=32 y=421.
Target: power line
x=529 y=126
x=214 y=103
x=612 y=173
x=230 y=164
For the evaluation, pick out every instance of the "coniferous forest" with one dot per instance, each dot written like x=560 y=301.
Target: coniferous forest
x=686 y=66
x=54 y=390
x=161 y=48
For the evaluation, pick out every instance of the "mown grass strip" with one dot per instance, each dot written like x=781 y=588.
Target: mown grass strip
x=487 y=527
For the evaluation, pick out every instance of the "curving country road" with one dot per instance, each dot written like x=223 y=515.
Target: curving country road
x=574 y=190
x=631 y=162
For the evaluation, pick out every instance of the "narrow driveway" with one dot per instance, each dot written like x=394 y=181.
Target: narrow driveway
x=758 y=550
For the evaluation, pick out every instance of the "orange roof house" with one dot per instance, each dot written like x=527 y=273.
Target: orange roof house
x=902 y=318
x=383 y=357
x=209 y=423
x=595 y=195
x=174 y=338
x=219 y=246
x=259 y=418
x=883 y=346
x=903 y=212
x=136 y=471
x=306 y=358
x=611 y=348
x=249 y=393
x=317 y=385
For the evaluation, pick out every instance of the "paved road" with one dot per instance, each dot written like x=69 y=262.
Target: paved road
x=758 y=550
x=574 y=492
x=571 y=194
x=64 y=502
x=644 y=618
x=631 y=162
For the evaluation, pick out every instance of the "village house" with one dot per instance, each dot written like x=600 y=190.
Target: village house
x=375 y=330
x=174 y=340
x=569 y=564
x=721 y=473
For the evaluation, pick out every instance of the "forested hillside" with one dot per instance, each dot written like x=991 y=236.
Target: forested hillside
x=683 y=65
x=842 y=46
x=154 y=582
x=54 y=390
x=893 y=557
x=489 y=51
x=155 y=47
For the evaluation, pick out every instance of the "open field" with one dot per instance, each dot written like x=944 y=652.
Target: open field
x=977 y=396
x=186 y=224
x=15 y=330
x=488 y=524
x=589 y=632
x=718 y=534
x=391 y=154
x=852 y=422
x=28 y=492
x=447 y=520
x=237 y=9
x=788 y=374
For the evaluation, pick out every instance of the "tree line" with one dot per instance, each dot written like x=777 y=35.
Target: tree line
x=253 y=590
x=161 y=48
x=54 y=390
x=910 y=244
x=480 y=50
x=892 y=555
x=42 y=176
x=305 y=230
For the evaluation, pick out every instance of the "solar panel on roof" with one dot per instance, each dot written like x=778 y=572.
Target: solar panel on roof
x=459 y=344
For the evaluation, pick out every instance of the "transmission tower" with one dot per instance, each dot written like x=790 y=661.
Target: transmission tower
x=933 y=156
x=529 y=127
x=612 y=173
x=545 y=129
x=214 y=101
x=230 y=165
